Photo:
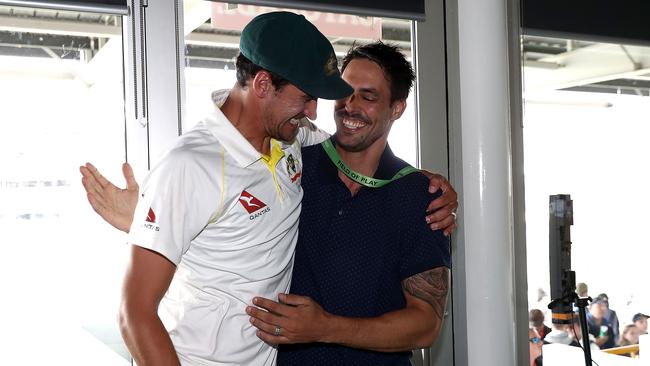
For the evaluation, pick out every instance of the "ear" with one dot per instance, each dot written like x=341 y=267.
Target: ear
x=398 y=108
x=262 y=84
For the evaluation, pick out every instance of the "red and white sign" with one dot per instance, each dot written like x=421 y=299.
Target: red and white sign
x=151 y=216
x=250 y=202
x=330 y=24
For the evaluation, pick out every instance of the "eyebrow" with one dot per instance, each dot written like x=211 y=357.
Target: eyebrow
x=368 y=90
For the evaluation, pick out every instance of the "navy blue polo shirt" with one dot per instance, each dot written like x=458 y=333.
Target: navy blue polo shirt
x=353 y=252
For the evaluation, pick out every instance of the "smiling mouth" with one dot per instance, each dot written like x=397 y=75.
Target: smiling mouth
x=352 y=124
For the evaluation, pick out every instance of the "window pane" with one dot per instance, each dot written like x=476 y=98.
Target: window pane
x=62 y=101
x=585 y=134
x=213 y=43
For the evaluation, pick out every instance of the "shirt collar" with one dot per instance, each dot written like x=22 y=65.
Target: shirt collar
x=231 y=139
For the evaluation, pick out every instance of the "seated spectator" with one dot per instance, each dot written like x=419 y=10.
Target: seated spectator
x=630 y=335
x=598 y=326
x=641 y=322
x=610 y=316
x=536 y=320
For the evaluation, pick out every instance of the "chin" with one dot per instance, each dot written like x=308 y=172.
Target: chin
x=351 y=147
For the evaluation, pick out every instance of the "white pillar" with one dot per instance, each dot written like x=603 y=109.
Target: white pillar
x=482 y=164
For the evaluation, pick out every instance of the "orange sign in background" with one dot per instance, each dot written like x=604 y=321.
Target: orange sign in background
x=330 y=24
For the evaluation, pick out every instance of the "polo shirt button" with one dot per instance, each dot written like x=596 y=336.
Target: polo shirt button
x=340 y=212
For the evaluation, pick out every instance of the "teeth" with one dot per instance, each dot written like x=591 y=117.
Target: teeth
x=351 y=124
x=294 y=121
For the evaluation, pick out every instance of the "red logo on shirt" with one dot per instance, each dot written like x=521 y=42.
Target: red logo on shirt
x=250 y=203
x=151 y=217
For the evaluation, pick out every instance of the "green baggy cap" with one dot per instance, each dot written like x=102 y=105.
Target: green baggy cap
x=290 y=46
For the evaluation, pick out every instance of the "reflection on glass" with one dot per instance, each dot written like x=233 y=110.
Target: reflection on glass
x=212 y=42
x=62 y=105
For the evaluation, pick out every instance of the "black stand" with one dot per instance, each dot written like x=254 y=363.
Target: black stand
x=581 y=303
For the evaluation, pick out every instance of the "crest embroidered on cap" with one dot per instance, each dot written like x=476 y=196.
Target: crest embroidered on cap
x=331 y=65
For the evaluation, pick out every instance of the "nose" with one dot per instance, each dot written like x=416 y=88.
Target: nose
x=310 y=109
x=350 y=103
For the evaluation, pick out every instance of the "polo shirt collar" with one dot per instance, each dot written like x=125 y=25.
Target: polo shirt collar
x=388 y=166
x=231 y=139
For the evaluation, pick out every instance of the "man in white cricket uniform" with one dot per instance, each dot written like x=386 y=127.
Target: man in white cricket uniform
x=217 y=221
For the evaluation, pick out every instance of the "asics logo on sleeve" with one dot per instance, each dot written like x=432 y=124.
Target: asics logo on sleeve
x=150 y=221
x=151 y=216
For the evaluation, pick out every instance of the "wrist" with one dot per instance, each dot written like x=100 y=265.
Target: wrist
x=331 y=329
x=339 y=329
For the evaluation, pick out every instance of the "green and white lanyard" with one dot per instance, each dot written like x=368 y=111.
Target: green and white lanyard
x=358 y=177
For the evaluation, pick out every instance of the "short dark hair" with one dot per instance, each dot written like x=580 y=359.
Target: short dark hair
x=397 y=69
x=536 y=317
x=246 y=69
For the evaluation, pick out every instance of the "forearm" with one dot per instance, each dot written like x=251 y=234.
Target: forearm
x=395 y=331
x=146 y=280
x=300 y=319
x=147 y=339
x=416 y=326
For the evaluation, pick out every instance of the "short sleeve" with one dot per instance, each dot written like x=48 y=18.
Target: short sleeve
x=309 y=134
x=423 y=249
x=172 y=209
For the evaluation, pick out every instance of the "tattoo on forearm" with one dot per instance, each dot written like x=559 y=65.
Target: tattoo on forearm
x=430 y=286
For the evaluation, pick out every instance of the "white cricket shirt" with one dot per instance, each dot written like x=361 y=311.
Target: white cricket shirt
x=216 y=208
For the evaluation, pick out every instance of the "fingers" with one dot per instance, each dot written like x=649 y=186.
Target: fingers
x=272 y=306
x=450 y=229
x=436 y=182
x=96 y=175
x=94 y=194
x=270 y=338
x=294 y=300
x=448 y=196
x=441 y=213
x=131 y=184
x=444 y=224
x=259 y=316
x=443 y=218
x=266 y=330
x=92 y=185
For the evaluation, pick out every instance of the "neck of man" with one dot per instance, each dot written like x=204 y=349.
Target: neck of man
x=245 y=117
x=365 y=162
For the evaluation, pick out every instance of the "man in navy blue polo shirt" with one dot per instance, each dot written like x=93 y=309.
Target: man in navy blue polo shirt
x=370 y=278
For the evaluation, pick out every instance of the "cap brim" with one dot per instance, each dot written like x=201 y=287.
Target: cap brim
x=331 y=87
